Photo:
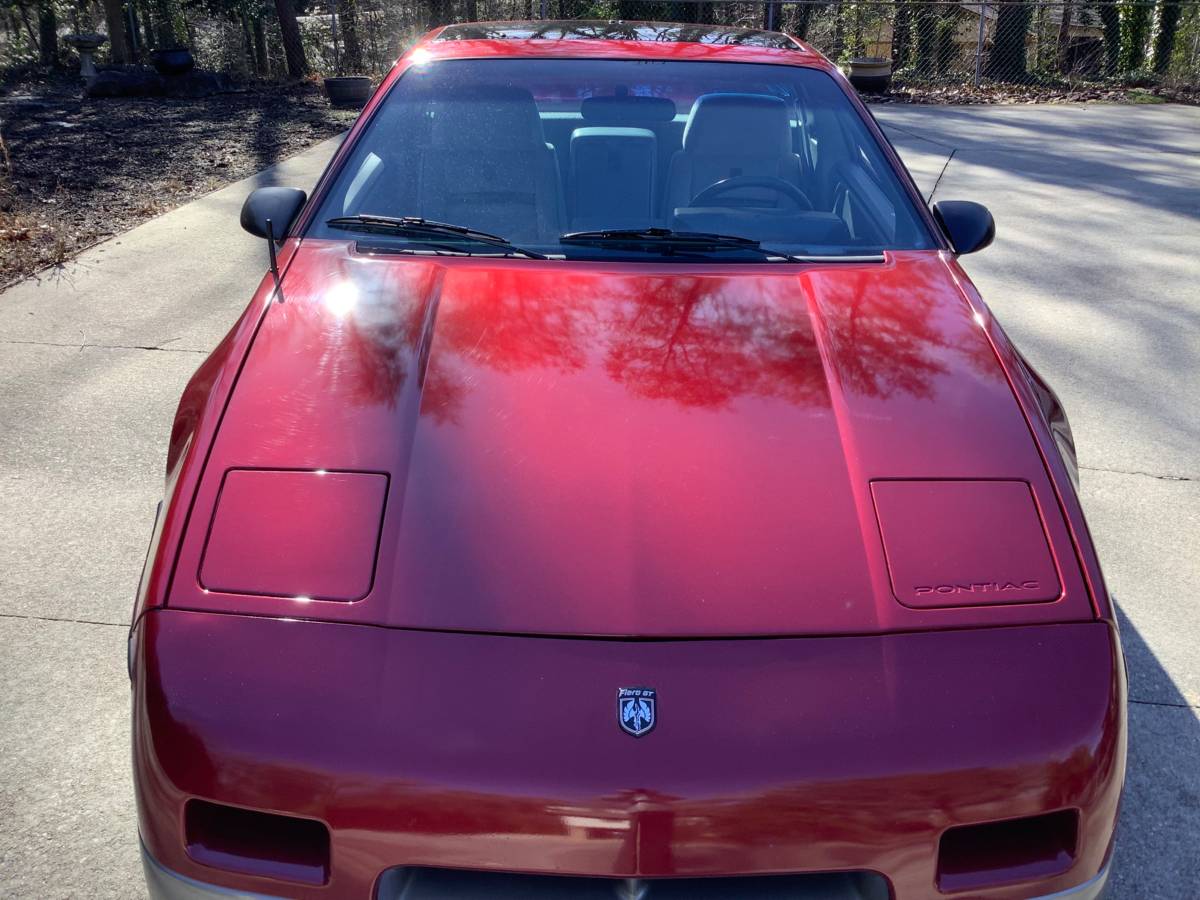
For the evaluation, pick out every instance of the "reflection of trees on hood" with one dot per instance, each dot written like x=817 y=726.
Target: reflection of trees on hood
x=513 y=323
x=510 y=324
x=699 y=341
x=685 y=341
x=369 y=345
x=884 y=340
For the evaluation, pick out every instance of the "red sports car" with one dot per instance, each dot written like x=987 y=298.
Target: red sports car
x=616 y=489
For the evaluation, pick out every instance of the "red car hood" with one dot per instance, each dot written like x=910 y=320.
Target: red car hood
x=604 y=450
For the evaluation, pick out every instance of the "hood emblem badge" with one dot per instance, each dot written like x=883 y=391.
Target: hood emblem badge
x=637 y=710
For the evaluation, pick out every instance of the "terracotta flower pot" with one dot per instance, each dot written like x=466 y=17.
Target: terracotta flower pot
x=870 y=74
x=348 y=90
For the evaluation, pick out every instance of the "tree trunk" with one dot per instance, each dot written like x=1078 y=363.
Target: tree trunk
x=1110 y=19
x=147 y=19
x=1006 y=62
x=262 y=62
x=30 y=31
x=161 y=24
x=438 y=14
x=837 y=41
x=1164 y=41
x=945 y=48
x=925 y=39
x=349 y=21
x=1063 y=57
x=901 y=34
x=293 y=44
x=133 y=36
x=118 y=45
x=804 y=15
x=472 y=11
x=165 y=36
x=1135 y=31
x=248 y=44
x=771 y=14
x=47 y=36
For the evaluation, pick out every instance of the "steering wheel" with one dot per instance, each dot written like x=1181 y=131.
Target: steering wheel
x=725 y=185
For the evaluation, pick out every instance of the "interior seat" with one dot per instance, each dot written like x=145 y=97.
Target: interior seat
x=492 y=168
x=612 y=177
x=728 y=135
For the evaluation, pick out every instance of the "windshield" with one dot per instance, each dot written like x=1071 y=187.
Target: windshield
x=640 y=155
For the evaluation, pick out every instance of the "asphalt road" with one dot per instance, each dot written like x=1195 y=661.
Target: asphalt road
x=1094 y=273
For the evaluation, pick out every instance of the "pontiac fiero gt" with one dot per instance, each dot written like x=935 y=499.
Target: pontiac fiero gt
x=617 y=489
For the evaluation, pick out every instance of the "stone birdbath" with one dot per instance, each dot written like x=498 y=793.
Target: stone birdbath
x=85 y=45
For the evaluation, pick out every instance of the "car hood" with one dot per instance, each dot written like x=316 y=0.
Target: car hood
x=605 y=450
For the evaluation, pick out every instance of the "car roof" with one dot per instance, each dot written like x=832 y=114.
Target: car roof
x=615 y=39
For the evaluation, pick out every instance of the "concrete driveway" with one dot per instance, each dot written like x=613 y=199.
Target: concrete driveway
x=1094 y=273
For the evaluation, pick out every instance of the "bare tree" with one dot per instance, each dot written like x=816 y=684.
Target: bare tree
x=47 y=34
x=1064 y=39
x=1164 y=41
x=1110 y=21
x=293 y=44
x=349 y=25
x=1007 y=62
x=118 y=45
x=1137 y=18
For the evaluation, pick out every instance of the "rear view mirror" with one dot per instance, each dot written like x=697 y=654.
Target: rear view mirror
x=969 y=226
x=277 y=206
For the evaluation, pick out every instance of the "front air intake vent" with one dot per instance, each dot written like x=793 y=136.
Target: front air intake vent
x=455 y=884
x=257 y=843
x=971 y=857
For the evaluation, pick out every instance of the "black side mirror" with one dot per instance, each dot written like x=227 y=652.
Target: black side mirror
x=969 y=226
x=280 y=205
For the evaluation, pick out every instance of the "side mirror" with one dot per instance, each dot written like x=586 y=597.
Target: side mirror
x=969 y=226
x=280 y=205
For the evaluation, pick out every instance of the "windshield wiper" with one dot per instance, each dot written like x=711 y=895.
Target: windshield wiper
x=416 y=227
x=664 y=237
x=699 y=241
x=669 y=241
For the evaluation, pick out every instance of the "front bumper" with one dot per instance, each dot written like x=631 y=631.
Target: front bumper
x=499 y=754
x=163 y=884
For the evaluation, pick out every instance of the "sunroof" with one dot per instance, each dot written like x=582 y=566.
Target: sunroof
x=582 y=30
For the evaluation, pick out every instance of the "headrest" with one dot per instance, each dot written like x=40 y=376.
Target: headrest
x=627 y=109
x=621 y=135
x=498 y=116
x=749 y=124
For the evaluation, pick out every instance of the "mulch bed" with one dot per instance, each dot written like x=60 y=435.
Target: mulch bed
x=1005 y=94
x=74 y=171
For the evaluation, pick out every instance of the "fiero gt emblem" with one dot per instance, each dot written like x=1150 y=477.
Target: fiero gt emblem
x=637 y=710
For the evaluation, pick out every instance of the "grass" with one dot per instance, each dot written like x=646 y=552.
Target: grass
x=1141 y=95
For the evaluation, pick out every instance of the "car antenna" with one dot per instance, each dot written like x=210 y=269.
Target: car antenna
x=274 y=260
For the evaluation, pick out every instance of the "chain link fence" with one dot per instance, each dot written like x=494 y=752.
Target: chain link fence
x=956 y=43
